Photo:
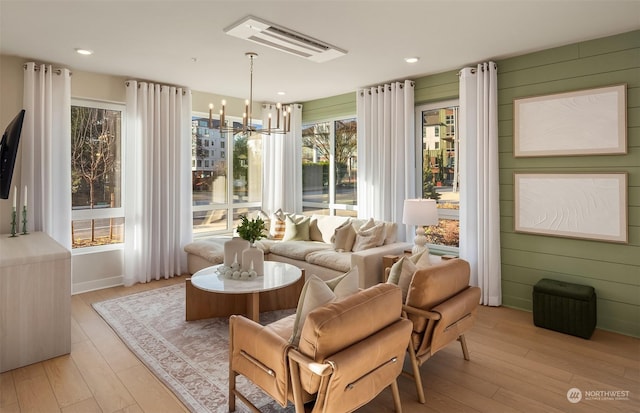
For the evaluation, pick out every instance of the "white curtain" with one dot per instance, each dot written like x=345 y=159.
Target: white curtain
x=479 y=187
x=45 y=145
x=386 y=151
x=282 y=163
x=157 y=182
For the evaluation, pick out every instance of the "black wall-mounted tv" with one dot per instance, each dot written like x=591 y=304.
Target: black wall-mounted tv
x=9 y=152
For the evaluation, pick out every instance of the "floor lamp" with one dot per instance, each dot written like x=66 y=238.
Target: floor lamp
x=420 y=212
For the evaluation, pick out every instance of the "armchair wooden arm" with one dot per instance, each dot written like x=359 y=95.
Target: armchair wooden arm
x=297 y=361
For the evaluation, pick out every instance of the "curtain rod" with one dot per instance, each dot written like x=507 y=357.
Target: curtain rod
x=388 y=85
x=271 y=105
x=185 y=90
x=37 y=68
x=474 y=70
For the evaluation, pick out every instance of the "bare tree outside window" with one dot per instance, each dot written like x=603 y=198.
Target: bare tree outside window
x=95 y=173
x=94 y=154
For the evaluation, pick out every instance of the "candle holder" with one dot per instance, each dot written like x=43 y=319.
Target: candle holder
x=24 y=220
x=13 y=222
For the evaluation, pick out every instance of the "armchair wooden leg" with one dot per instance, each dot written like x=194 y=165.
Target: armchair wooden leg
x=396 y=396
x=416 y=373
x=463 y=343
x=295 y=386
x=232 y=388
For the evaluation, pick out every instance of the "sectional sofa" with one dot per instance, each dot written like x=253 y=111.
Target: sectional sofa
x=326 y=246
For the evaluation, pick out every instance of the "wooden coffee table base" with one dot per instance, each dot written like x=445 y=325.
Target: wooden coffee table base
x=202 y=304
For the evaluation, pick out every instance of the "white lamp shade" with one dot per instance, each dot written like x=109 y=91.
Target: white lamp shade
x=420 y=212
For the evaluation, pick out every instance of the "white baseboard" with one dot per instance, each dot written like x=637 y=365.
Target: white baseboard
x=86 y=286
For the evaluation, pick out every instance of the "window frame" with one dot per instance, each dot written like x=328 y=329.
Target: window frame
x=419 y=153
x=332 y=206
x=229 y=206
x=104 y=213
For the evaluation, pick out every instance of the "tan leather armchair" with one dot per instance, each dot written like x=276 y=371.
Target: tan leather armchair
x=349 y=351
x=442 y=306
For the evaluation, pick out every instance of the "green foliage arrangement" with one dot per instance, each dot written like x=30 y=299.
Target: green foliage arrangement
x=251 y=229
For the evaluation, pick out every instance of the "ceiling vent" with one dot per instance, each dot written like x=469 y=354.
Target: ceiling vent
x=283 y=39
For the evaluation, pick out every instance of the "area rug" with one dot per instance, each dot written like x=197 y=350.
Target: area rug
x=190 y=358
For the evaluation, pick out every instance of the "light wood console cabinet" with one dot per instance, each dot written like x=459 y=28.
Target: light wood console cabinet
x=35 y=300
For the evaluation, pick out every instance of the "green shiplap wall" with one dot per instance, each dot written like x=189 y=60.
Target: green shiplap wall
x=612 y=269
x=438 y=87
x=331 y=107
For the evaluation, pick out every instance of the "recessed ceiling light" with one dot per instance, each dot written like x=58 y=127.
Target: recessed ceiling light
x=85 y=52
x=411 y=59
x=281 y=93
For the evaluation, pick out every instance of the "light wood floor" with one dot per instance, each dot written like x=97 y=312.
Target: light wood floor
x=514 y=367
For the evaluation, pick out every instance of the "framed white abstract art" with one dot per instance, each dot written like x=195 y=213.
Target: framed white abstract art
x=585 y=122
x=575 y=205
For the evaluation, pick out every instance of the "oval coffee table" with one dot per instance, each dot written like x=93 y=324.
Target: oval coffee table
x=225 y=296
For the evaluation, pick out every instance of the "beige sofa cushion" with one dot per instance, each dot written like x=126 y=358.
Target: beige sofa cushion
x=297 y=250
x=211 y=251
x=335 y=260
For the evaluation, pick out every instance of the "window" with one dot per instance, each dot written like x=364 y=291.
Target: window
x=439 y=178
x=330 y=167
x=219 y=201
x=96 y=174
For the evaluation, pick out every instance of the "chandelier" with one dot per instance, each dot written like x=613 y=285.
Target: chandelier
x=280 y=125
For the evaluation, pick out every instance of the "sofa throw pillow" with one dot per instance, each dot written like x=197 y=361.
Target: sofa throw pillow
x=277 y=225
x=369 y=237
x=314 y=231
x=343 y=237
x=296 y=228
x=316 y=293
x=401 y=273
x=346 y=284
x=421 y=260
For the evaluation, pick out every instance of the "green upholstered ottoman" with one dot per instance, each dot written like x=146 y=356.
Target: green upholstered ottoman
x=564 y=307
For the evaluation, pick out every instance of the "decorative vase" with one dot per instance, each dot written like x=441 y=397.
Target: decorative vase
x=253 y=259
x=233 y=251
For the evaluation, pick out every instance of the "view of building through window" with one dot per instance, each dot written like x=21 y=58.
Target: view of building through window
x=219 y=201
x=330 y=167
x=440 y=179
x=96 y=192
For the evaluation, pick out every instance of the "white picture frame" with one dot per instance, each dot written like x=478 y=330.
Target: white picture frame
x=584 y=122
x=575 y=205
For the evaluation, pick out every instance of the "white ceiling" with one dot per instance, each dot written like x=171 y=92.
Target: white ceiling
x=158 y=40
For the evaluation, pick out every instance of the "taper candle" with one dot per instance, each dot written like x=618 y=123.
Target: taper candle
x=25 y=196
x=15 y=196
